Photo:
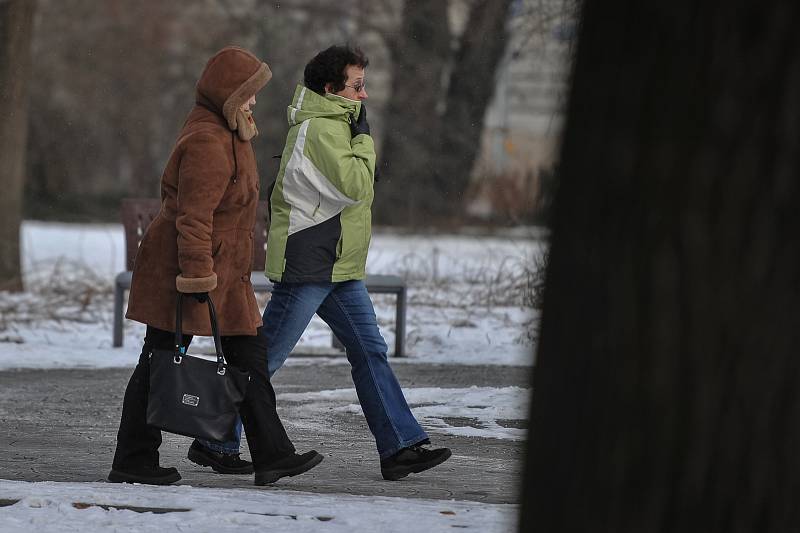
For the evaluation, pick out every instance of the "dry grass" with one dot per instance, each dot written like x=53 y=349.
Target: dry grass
x=70 y=292
x=65 y=291
x=515 y=281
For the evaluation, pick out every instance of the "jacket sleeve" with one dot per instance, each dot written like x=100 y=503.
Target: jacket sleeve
x=348 y=163
x=203 y=176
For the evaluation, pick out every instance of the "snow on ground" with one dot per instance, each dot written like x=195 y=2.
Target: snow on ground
x=465 y=299
x=434 y=407
x=94 y=507
x=467 y=305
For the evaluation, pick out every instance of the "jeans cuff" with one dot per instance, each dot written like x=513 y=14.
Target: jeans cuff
x=217 y=447
x=385 y=454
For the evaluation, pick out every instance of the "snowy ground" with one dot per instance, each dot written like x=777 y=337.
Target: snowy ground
x=434 y=407
x=91 y=507
x=467 y=299
x=469 y=304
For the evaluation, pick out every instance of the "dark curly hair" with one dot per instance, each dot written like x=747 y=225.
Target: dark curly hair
x=329 y=66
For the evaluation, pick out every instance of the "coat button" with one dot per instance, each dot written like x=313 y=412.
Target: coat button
x=245 y=278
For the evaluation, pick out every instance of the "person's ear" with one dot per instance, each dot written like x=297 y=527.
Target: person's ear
x=328 y=88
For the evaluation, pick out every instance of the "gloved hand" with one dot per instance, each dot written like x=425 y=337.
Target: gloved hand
x=201 y=297
x=360 y=126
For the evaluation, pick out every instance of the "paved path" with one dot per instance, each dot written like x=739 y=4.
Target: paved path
x=60 y=425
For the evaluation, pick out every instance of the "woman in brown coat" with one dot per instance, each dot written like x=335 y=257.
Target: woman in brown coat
x=201 y=243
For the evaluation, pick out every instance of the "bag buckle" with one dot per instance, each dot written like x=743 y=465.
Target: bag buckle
x=221 y=370
x=177 y=359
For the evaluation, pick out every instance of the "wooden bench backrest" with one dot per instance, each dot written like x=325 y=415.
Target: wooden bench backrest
x=137 y=213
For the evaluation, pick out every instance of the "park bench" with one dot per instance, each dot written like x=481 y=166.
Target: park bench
x=137 y=213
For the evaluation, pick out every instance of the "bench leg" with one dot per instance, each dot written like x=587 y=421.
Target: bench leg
x=119 y=296
x=400 y=324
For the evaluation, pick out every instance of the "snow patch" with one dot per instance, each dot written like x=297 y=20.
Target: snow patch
x=95 y=507
x=479 y=409
x=448 y=322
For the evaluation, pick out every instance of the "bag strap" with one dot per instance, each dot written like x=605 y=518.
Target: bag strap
x=180 y=349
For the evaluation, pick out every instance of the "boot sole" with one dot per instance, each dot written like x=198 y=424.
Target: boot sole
x=115 y=476
x=401 y=472
x=265 y=477
x=199 y=458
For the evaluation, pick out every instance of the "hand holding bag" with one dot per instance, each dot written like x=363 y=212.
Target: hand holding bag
x=193 y=396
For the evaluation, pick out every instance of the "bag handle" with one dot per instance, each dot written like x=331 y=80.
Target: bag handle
x=180 y=350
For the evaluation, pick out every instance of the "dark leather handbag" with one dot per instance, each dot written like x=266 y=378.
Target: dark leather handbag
x=193 y=396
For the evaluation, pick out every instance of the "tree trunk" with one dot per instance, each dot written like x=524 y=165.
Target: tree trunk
x=469 y=93
x=436 y=111
x=666 y=392
x=16 y=24
x=419 y=54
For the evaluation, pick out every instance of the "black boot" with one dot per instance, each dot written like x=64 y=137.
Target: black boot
x=413 y=459
x=288 y=466
x=221 y=463
x=149 y=475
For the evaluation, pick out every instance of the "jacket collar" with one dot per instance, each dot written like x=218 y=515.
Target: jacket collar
x=307 y=104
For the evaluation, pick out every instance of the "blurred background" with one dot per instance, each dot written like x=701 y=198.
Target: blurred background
x=465 y=97
x=466 y=106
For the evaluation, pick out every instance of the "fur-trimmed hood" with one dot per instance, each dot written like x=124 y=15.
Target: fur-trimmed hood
x=229 y=79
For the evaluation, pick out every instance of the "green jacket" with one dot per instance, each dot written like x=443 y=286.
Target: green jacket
x=320 y=214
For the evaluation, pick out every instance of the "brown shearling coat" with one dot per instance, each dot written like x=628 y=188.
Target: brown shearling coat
x=202 y=238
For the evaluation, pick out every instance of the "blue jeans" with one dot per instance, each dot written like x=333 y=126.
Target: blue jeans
x=347 y=308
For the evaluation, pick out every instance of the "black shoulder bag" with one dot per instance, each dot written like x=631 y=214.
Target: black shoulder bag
x=193 y=396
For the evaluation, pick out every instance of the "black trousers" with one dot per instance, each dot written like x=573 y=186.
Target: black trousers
x=137 y=443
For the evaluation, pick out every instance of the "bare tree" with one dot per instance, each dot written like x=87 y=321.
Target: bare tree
x=666 y=389
x=420 y=53
x=469 y=93
x=439 y=95
x=113 y=81
x=16 y=20
x=109 y=100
